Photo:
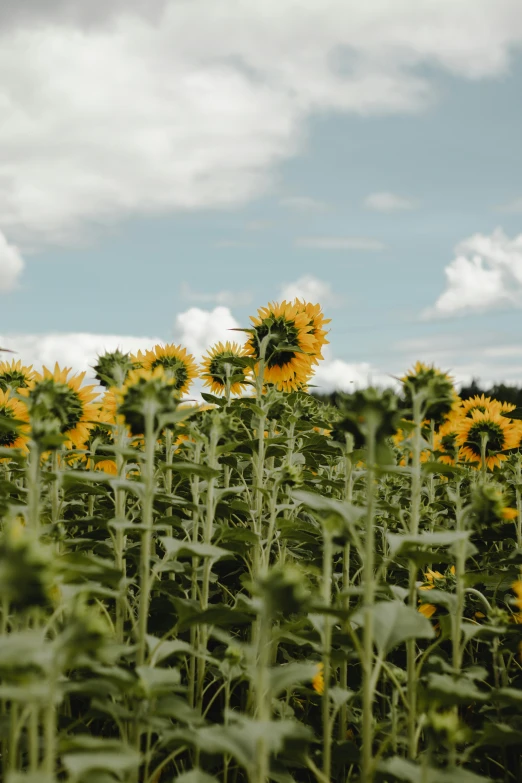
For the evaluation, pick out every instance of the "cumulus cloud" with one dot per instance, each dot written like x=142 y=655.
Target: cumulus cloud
x=309 y=288
x=340 y=243
x=11 y=264
x=198 y=329
x=388 y=202
x=162 y=106
x=338 y=375
x=303 y=204
x=485 y=273
x=77 y=350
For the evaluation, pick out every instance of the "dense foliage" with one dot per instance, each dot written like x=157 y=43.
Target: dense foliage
x=261 y=587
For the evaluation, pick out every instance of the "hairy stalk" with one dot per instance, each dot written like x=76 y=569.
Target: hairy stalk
x=326 y=589
x=194 y=631
x=456 y=625
x=146 y=537
x=367 y=766
x=348 y=489
x=208 y=533
x=263 y=695
x=415 y=502
x=120 y=536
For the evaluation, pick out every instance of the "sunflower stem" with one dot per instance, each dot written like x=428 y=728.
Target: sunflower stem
x=146 y=538
x=415 y=502
x=326 y=583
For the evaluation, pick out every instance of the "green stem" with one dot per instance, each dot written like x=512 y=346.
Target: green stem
x=415 y=502
x=368 y=604
x=146 y=537
x=327 y=644
x=263 y=695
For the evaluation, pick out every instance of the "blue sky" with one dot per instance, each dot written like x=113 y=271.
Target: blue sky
x=364 y=188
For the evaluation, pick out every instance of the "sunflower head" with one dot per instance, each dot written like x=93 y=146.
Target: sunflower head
x=479 y=403
x=178 y=365
x=445 y=441
x=283 y=333
x=317 y=322
x=366 y=412
x=489 y=430
x=435 y=388
x=14 y=429
x=490 y=505
x=14 y=375
x=225 y=363
x=144 y=390
x=112 y=368
x=60 y=408
x=318 y=680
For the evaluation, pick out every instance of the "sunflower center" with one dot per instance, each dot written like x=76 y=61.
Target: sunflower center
x=8 y=437
x=284 y=333
x=174 y=368
x=12 y=379
x=495 y=437
x=60 y=401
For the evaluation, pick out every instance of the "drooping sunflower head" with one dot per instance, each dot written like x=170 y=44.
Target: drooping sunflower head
x=60 y=407
x=489 y=430
x=144 y=390
x=14 y=375
x=435 y=389
x=14 y=428
x=113 y=367
x=286 y=331
x=490 y=505
x=317 y=322
x=179 y=366
x=224 y=363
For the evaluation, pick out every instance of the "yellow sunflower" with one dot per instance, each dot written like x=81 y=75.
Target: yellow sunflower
x=71 y=404
x=214 y=368
x=317 y=321
x=497 y=431
x=178 y=365
x=13 y=409
x=288 y=360
x=318 y=680
x=445 y=440
x=479 y=403
x=14 y=375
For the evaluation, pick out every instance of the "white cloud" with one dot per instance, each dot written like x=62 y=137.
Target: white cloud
x=77 y=350
x=485 y=273
x=11 y=264
x=340 y=243
x=161 y=106
x=229 y=298
x=198 y=329
x=337 y=375
x=303 y=204
x=309 y=288
x=389 y=202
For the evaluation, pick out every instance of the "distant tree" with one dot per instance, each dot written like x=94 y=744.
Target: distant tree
x=499 y=391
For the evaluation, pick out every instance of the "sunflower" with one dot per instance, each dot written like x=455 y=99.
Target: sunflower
x=176 y=362
x=439 y=395
x=142 y=387
x=479 y=403
x=214 y=369
x=498 y=433
x=14 y=375
x=318 y=680
x=55 y=395
x=12 y=409
x=288 y=358
x=317 y=321
x=445 y=440
x=113 y=367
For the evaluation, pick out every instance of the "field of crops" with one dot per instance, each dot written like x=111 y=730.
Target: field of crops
x=263 y=586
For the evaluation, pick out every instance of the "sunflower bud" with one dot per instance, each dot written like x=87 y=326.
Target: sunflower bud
x=144 y=388
x=112 y=368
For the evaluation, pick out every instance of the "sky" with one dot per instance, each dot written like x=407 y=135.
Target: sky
x=169 y=166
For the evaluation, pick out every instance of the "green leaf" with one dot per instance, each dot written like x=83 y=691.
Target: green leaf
x=156 y=681
x=394 y=623
x=399 y=543
x=196 y=775
x=24 y=649
x=401 y=769
x=92 y=753
x=450 y=690
x=443 y=469
x=191 y=469
x=175 y=548
x=290 y=674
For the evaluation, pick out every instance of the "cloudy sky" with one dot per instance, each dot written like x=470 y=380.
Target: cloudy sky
x=167 y=166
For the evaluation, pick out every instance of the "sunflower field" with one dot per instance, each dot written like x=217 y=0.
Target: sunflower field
x=261 y=587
